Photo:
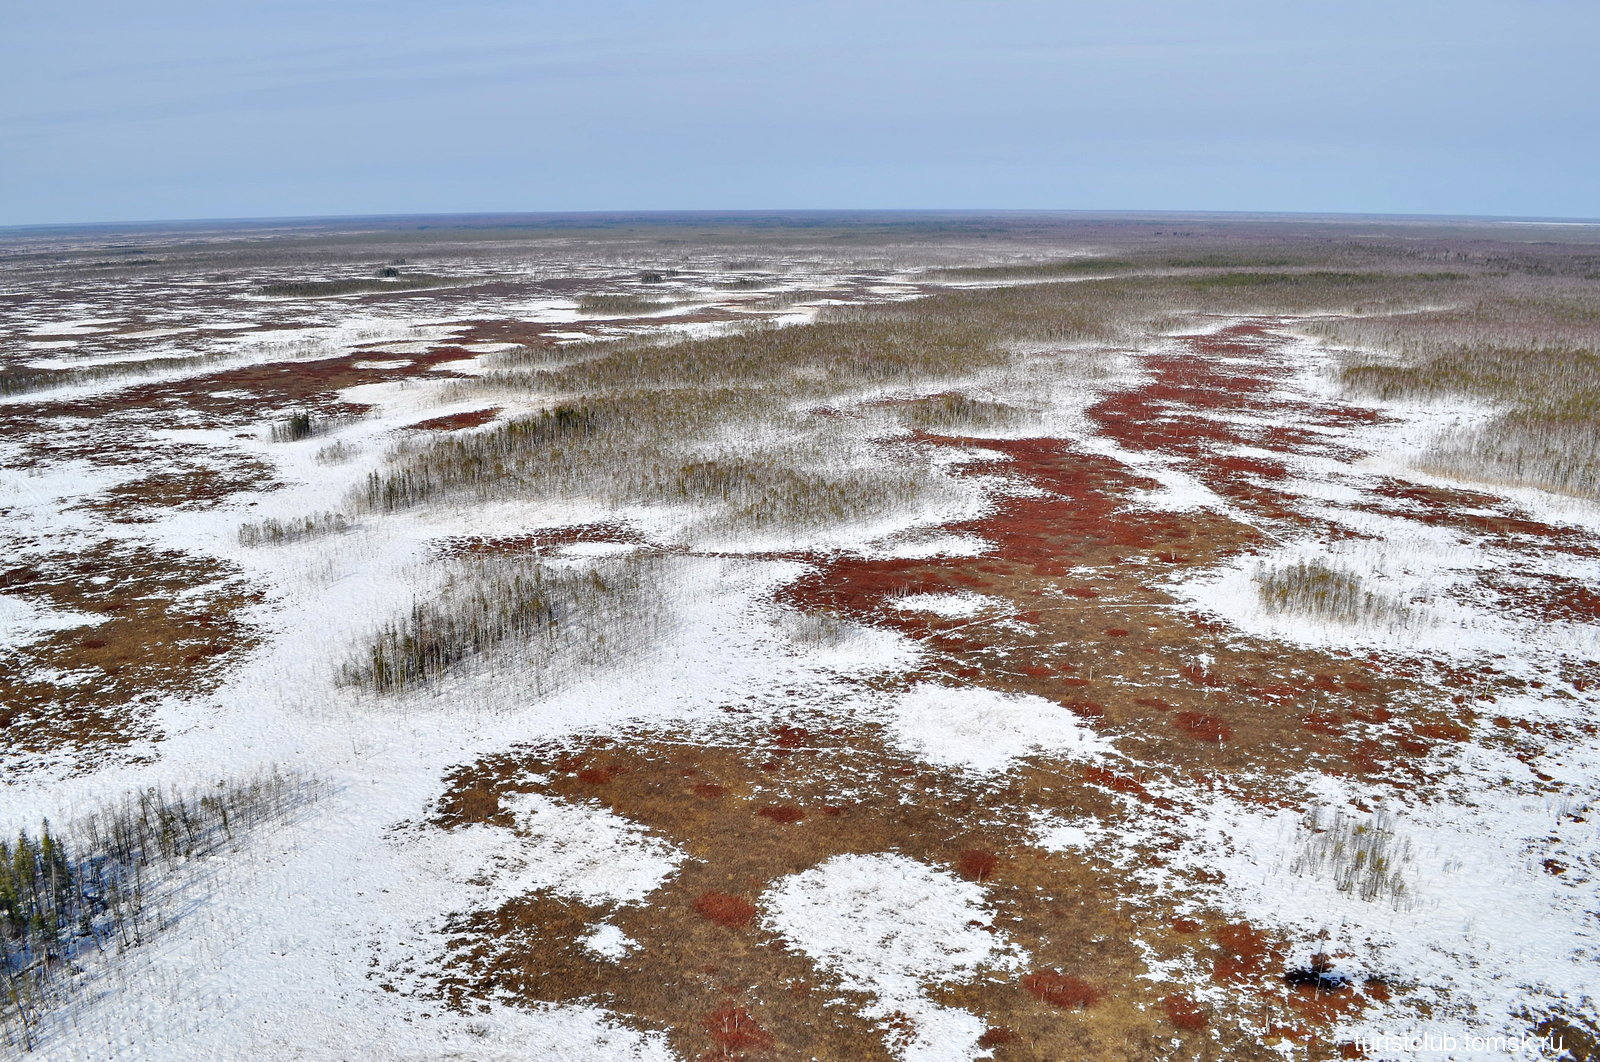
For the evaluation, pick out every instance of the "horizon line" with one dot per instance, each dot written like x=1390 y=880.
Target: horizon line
x=1128 y=212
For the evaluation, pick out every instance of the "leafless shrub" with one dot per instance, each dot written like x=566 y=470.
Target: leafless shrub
x=816 y=630
x=336 y=453
x=304 y=424
x=275 y=531
x=95 y=885
x=1065 y=267
x=713 y=421
x=1553 y=453
x=620 y=305
x=19 y=379
x=781 y=300
x=22 y=379
x=1532 y=353
x=321 y=289
x=561 y=620
x=479 y=459
x=953 y=412
x=1315 y=588
x=1360 y=854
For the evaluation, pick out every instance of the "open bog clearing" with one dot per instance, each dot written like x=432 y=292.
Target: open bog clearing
x=838 y=637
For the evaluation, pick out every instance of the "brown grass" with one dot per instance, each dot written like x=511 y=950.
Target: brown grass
x=168 y=623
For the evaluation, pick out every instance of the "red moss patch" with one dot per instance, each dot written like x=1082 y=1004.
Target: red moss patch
x=536 y=541
x=1443 y=731
x=1119 y=783
x=1331 y=723
x=977 y=864
x=734 y=1029
x=456 y=421
x=792 y=737
x=1062 y=990
x=1184 y=1012
x=725 y=909
x=784 y=813
x=1246 y=953
x=1243 y=941
x=997 y=1036
x=1202 y=726
x=1252 y=466
x=1323 y=1006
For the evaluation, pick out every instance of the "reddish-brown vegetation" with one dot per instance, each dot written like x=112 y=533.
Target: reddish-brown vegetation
x=537 y=541
x=456 y=421
x=1062 y=990
x=977 y=864
x=1246 y=953
x=1098 y=630
x=1202 y=726
x=997 y=1036
x=166 y=621
x=725 y=909
x=1184 y=1012
x=735 y=1030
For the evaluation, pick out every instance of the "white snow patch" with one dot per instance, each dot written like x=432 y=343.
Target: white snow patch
x=22 y=620
x=83 y=327
x=1057 y=835
x=985 y=731
x=956 y=605
x=609 y=941
x=1481 y=931
x=1425 y=573
x=578 y=850
x=891 y=927
x=929 y=546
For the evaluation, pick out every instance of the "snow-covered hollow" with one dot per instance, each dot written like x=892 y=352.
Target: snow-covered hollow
x=959 y=605
x=585 y=851
x=578 y=850
x=891 y=927
x=985 y=731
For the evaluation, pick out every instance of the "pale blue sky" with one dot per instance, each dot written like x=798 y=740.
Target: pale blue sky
x=213 y=108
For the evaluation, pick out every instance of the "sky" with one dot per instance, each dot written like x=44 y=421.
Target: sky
x=177 y=109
